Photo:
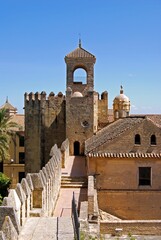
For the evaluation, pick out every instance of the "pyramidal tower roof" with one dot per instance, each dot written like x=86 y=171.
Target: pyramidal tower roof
x=8 y=107
x=80 y=52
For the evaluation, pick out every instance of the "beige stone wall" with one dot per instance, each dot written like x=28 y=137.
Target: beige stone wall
x=131 y=204
x=132 y=227
x=122 y=173
x=15 y=148
x=12 y=171
x=119 y=193
x=11 y=166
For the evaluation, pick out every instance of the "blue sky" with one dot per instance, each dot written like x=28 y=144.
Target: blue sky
x=124 y=35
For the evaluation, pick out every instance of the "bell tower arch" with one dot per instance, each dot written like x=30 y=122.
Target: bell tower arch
x=80 y=59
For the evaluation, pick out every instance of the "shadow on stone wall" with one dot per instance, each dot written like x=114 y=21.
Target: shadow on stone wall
x=36 y=195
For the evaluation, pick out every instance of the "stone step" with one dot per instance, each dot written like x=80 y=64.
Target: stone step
x=74 y=178
x=36 y=212
x=73 y=186
x=73 y=182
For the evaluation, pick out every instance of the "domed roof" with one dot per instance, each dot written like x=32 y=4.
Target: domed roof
x=77 y=94
x=122 y=97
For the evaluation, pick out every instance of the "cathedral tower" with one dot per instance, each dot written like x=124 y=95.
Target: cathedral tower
x=121 y=105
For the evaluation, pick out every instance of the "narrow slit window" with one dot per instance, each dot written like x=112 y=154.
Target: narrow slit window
x=137 y=139
x=153 y=140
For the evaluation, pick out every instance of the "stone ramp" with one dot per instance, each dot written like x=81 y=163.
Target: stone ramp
x=65 y=229
x=47 y=228
x=64 y=203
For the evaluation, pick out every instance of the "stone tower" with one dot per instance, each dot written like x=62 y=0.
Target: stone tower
x=121 y=105
x=77 y=116
x=44 y=127
x=81 y=100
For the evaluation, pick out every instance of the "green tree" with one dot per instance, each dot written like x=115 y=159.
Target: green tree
x=4 y=185
x=7 y=127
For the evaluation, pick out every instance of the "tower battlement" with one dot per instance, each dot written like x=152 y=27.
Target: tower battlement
x=42 y=96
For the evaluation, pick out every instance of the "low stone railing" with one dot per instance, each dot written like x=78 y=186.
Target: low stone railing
x=92 y=200
x=65 y=152
x=36 y=195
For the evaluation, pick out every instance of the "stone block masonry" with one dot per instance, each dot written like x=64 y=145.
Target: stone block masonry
x=44 y=127
x=36 y=195
x=146 y=227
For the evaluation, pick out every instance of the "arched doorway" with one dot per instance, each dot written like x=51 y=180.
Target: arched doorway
x=76 y=148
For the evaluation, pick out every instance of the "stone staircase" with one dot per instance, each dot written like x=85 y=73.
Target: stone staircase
x=74 y=182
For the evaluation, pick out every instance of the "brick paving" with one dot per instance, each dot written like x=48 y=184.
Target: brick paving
x=75 y=167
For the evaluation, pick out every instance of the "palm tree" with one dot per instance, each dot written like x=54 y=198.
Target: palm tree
x=6 y=130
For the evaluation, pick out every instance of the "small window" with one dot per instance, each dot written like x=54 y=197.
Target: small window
x=153 y=140
x=21 y=157
x=144 y=176
x=21 y=141
x=137 y=139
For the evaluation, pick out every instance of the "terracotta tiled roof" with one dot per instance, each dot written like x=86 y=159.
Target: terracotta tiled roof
x=156 y=119
x=111 y=132
x=19 y=119
x=125 y=155
x=80 y=53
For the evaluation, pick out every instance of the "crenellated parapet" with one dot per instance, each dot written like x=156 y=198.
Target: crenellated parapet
x=31 y=99
x=36 y=195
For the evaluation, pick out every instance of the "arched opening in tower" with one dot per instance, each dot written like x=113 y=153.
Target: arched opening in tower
x=80 y=76
x=76 y=148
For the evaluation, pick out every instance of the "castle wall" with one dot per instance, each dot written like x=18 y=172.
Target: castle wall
x=44 y=126
x=119 y=193
x=131 y=205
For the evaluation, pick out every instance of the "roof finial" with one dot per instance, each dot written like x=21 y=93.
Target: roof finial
x=80 y=43
x=121 y=90
x=7 y=99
